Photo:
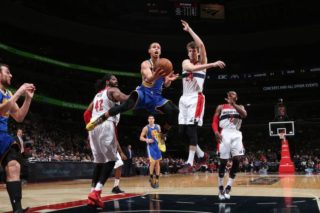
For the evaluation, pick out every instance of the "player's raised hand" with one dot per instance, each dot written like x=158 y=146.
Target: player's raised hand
x=24 y=88
x=30 y=91
x=185 y=25
x=230 y=100
x=219 y=64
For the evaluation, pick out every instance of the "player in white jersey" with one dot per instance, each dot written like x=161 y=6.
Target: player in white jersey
x=226 y=125
x=103 y=139
x=191 y=104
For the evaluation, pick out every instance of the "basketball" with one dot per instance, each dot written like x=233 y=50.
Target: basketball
x=166 y=65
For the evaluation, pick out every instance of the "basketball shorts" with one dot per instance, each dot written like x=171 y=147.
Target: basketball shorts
x=231 y=144
x=5 y=143
x=149 y=100
x=154 y=152
x=103 y=142
x=191 y=109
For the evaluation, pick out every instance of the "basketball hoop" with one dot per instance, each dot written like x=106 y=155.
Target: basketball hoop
x=282 y=135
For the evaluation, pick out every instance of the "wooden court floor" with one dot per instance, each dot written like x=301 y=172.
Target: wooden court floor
x=295 y=186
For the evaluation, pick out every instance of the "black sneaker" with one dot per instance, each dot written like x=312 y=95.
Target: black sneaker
x=21 y=210
x=117 y=190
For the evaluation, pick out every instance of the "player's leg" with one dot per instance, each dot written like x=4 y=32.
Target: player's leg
x=94 y=198
x=225 y=149
x=12 y=166
x=171 y=112
x=104 y=149
x=191 y=133
x=198 y=110
x=117 y=175
x=151 y=172
x=96 y=174
x=125 y=106
x=157 y=169
x=237 y=151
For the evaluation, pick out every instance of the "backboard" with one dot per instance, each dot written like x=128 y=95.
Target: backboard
x=286 y=127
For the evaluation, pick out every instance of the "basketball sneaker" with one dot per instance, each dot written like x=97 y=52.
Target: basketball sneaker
x=22 y=210
x=95 y=122
x=152 y=182
x=221 y=193
x=95 y=196
x=117 y=190
x=91 y=203
x=162 y=143
x=227 y=192
x=204 y=159
x=201 y=161
x=156 y=183
x=187 y=168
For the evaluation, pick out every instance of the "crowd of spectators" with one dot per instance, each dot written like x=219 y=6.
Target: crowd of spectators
x=54 y=141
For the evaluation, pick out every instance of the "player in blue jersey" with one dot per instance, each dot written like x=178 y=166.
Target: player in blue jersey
x=149 y=94
x=10 y=155
x=151 y=135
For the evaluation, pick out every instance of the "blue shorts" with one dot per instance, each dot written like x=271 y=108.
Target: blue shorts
x=154 y=152
x=148 y=100
x=5 y=143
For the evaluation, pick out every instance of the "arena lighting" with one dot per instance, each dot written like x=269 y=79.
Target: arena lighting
x=64 y=64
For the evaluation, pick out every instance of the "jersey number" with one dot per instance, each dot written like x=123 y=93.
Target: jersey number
x=98 y=105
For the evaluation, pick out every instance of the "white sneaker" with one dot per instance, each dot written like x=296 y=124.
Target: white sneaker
x=227 y=196
x=227 y=192
x=221 y=196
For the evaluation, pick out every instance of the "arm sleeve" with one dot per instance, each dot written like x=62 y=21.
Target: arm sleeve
x=87 y=116
x=215 y=123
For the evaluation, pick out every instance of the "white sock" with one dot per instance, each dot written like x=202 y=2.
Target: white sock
x=230 y=182
x=220 y=181
x=200 y=153
x=98 y=187
x=116 y=182
x=191 y=157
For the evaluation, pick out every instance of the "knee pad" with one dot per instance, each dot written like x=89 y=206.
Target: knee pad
x=182 y=132
x=235 y=167
x=106 y=171
x=222 y=167
x=192 y=133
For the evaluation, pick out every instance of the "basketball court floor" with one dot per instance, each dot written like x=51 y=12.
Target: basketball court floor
x=195 y=192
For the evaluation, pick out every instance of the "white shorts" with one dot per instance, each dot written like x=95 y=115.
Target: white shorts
x=191 y=109
x=119 y=162
x=231 y=144
x=103 y=143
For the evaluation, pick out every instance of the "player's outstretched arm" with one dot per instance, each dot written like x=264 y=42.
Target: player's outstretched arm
x=188 y=66
x=197 y=40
